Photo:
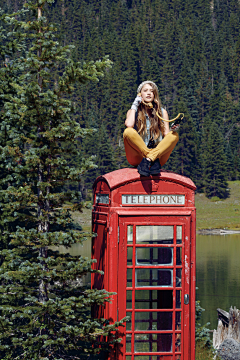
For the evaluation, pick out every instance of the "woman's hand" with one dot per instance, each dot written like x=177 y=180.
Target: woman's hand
x=136 y=103
x=130 y=119
x=175 y=127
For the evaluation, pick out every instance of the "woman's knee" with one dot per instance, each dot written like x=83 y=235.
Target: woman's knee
x=128 y=133
x=174 y=136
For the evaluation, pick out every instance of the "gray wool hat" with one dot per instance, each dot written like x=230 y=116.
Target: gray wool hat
x=144 y=83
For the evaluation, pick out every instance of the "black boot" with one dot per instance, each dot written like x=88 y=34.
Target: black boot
x=144 y=167
x=155 y=167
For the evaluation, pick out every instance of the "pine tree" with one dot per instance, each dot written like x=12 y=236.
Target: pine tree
x=236 y=164
x=183 y=159
x=215 y=173
x=11 y=43
x=106 y=161
x=90 y=148
x=234 y=144
x=229 y=163
x=44 y=306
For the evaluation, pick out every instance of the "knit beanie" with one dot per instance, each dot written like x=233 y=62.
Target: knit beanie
x=144 y=83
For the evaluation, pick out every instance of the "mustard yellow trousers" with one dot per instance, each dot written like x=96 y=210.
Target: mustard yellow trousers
x=136 y=149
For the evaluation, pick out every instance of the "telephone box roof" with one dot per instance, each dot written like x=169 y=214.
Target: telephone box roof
x=120 y=177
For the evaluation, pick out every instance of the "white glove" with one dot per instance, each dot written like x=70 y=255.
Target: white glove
x=136 y=103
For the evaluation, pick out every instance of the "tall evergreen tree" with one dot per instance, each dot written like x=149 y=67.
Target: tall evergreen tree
x=229 y=163
x=106 y=161
x=184 y=157
x=11 y=43
x=215 y=165
x=43 y=301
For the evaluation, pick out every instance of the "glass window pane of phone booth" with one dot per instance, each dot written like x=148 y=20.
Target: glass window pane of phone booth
x=129 y=322
x=179 y=234
x=154 y=277
x=154 y=258
x=178 y=320
x=153 y=320
x=153 y=343
x=154 y=234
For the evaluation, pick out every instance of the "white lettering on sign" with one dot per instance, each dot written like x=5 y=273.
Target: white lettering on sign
x=164 y=199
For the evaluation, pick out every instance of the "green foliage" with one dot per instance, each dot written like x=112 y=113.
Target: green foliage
x=11 y=43
x=215 y=165
x=45 y=308
x=106 y=161
x=184 y=157
x=202 y=333
x=191 y=52
x=204 y=353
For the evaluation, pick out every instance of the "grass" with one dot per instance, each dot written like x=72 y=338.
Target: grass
x=83 y=218
x=219 y=214
x=203 y=353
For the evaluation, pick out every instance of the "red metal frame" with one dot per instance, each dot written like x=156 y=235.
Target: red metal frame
x=122 y=284
x=109 y=248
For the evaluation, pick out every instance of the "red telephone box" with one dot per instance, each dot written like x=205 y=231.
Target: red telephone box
x=145 y=245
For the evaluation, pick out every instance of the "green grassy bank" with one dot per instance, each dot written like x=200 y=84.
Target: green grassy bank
x=219 y=214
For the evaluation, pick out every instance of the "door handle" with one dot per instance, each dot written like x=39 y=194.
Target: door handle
x=186 y=299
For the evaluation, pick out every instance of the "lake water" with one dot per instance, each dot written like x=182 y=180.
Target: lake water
x=218 y=273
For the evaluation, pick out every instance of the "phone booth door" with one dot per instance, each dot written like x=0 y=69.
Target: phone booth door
x=153 y=284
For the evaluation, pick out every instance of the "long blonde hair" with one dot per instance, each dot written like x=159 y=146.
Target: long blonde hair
x=157 y=125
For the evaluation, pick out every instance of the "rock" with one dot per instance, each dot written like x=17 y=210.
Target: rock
x=229 y=350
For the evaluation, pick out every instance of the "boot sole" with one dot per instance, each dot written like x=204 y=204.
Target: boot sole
x=155 y=173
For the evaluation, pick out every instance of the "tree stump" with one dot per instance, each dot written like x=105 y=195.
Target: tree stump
x=226 y=339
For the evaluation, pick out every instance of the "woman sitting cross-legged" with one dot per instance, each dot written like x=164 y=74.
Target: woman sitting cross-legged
x=148 y=140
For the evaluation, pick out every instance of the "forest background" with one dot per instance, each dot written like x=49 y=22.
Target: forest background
x=190 y=48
